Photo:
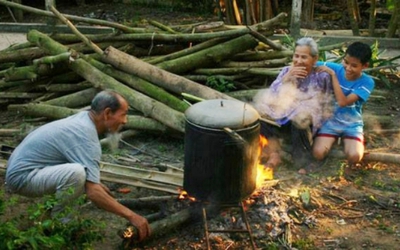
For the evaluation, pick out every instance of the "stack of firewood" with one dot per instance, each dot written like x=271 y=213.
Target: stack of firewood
x=160 y=70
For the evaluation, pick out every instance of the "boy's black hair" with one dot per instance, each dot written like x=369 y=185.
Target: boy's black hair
x=361 y=51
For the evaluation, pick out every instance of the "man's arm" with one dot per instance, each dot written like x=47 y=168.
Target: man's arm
x=100 y=196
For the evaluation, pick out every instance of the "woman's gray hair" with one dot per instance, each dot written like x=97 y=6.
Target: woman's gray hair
x=106 y=99
x=308 y=41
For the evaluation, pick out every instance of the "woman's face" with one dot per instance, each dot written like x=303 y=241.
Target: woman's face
x=302 y=57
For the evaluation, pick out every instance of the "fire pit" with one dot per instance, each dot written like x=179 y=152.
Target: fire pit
x=221 y=150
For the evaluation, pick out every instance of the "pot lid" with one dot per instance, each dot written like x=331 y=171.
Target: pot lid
x=221 y=113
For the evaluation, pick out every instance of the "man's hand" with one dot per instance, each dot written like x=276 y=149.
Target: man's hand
x=141 y=224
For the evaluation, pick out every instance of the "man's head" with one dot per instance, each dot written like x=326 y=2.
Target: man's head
x=109 y=111
x=306 y=53
x=356 y=59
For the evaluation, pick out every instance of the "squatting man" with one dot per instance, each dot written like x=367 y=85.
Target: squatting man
x=66 y=153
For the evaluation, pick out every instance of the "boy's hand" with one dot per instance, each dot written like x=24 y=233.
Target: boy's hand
x=326 y=69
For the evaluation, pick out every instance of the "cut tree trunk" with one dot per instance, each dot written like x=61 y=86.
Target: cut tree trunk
x=162 y=78
x=74 y=100
x=172 y=222
x=141 y=85
x=210 y=56
x=55 y=113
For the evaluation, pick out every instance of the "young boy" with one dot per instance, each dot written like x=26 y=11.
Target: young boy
x=352 y=89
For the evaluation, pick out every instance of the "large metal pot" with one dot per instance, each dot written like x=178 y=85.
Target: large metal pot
x=221 y=145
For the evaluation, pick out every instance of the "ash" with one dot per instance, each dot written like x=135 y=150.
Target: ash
x=272 y=214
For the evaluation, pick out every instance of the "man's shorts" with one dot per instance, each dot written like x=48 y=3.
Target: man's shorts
x=336 y=130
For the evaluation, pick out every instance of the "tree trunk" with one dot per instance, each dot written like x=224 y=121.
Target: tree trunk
x=394 y=20
x=129 y=235
x=55 y=113
x=295 y=20
x=372 y=18
x=141 y=85
x=307 y=14
x=74 y=100
x=210 y=56
x=174 y=83
x=352 y=11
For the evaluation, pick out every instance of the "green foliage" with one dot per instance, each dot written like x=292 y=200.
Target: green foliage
x=304 y=244
x=36 y=230
x=220 y=84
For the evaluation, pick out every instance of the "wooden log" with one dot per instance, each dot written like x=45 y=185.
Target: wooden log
x=33 y=72
x=21 y=55
x=188 y=51
x=62 y=88
x=130 y=234
x=9 y=132
x=261 y=55
x=172 y=82
x=210 y=56
x=257 y=64
x=19 y=95
x=141 y=85
x=238 y=70
x=74 y=100
x=55 y=113
x=143 y=103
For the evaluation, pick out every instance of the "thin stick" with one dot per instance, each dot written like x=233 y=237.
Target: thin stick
x=89 y=43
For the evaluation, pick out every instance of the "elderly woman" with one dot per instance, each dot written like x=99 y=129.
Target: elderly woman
x=299 y=100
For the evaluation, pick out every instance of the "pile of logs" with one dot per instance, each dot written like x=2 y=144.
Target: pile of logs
x=160 y=70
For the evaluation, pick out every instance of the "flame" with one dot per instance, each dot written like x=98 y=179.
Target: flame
x=263 y=172
x=184 y=195
x=128 y=233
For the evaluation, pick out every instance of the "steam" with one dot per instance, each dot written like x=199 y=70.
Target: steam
x=303 y=108
x=112 y=140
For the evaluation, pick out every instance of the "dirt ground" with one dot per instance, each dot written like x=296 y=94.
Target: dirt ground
x=350 y=208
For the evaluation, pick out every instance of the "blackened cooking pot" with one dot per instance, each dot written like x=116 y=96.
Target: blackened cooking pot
x=221 y=150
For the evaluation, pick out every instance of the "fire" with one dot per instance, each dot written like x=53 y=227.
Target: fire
x=184 y=195
x=263 y=172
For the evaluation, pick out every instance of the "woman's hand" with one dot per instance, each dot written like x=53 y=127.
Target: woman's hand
x=296 y=72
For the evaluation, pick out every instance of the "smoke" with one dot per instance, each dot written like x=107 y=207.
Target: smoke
x=303 y=108
x=112 y=140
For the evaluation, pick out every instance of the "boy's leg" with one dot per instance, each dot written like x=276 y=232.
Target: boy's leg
x=322 y=145
x=353 y=149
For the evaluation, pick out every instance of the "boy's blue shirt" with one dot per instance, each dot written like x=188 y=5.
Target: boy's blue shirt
x=363 y=86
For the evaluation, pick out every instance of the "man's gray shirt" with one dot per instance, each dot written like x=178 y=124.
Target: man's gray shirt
x=70 y=140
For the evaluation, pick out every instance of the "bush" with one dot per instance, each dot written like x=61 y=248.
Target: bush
x=36 y=230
